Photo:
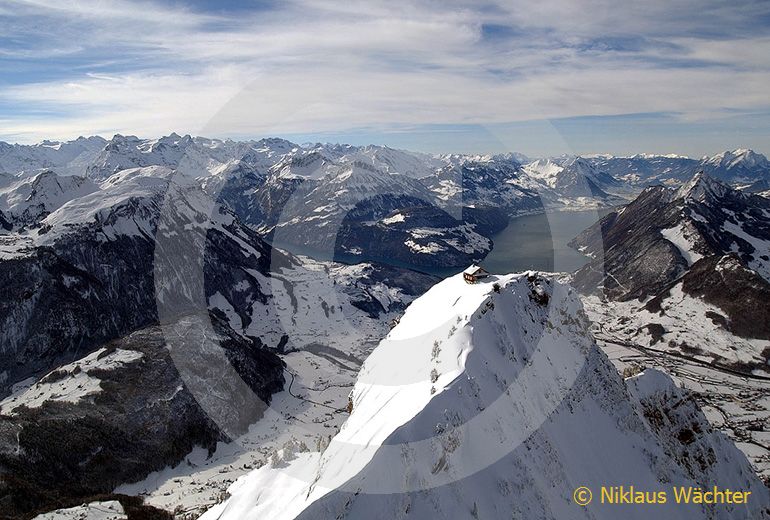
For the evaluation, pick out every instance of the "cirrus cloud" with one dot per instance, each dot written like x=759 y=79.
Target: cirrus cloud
x=310 y=66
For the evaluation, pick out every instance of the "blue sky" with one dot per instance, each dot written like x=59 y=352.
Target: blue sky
x=551 y=77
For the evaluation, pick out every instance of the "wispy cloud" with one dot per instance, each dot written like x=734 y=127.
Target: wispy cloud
x=307 y=66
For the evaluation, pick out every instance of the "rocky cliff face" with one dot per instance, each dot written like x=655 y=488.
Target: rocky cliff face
x=120 y=412
x=660 y=235
x=88 y=274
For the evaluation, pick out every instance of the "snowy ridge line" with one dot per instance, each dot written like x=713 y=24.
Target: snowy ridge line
x=423 y=448
x=401 y=377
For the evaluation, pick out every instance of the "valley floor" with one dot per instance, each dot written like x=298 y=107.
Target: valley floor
x=310 y=410
x=735 y=404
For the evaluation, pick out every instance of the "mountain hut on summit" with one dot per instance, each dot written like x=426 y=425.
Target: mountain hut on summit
x=474 y=273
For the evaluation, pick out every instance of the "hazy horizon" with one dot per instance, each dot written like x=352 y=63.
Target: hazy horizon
x=545 y=79
x=307 y=140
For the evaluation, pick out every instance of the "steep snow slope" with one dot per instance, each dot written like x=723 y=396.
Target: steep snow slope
x=492 y=401
x=333 y=316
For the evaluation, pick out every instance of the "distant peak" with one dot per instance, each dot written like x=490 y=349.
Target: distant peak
x=578 y=161
x=732 y=157
x=701 y=188
x=658 y=156
x=121 y=137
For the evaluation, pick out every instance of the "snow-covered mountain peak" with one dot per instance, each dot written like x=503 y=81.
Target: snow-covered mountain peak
x=392 y=160
x=701 y=188
x=119 y=139
x=275 y=145
x=513 y=158
x=647 y=155
x=64 y=157
x=576 y=177
x=491 y=400
x=303 y=164
x=740 y=156
x=27 y=200
x=543 y=168
x=193 y=157
x=445 y=372
x=165 y=142
x=740 y=165
x=579 y=162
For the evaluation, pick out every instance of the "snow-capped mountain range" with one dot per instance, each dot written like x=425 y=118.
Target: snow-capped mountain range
x=740 y=166
x=67 y=158
x=99 y=158
x=87 y=282
x=345 y=200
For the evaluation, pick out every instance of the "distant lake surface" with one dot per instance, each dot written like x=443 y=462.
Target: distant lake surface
x=539 y=242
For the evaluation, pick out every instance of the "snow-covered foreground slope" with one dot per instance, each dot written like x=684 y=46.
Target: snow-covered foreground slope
x=109 y=510
x=492 y=401
x=333 y=316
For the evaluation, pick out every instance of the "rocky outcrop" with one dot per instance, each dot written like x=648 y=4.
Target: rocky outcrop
x=63 y=300
x=120 y=413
